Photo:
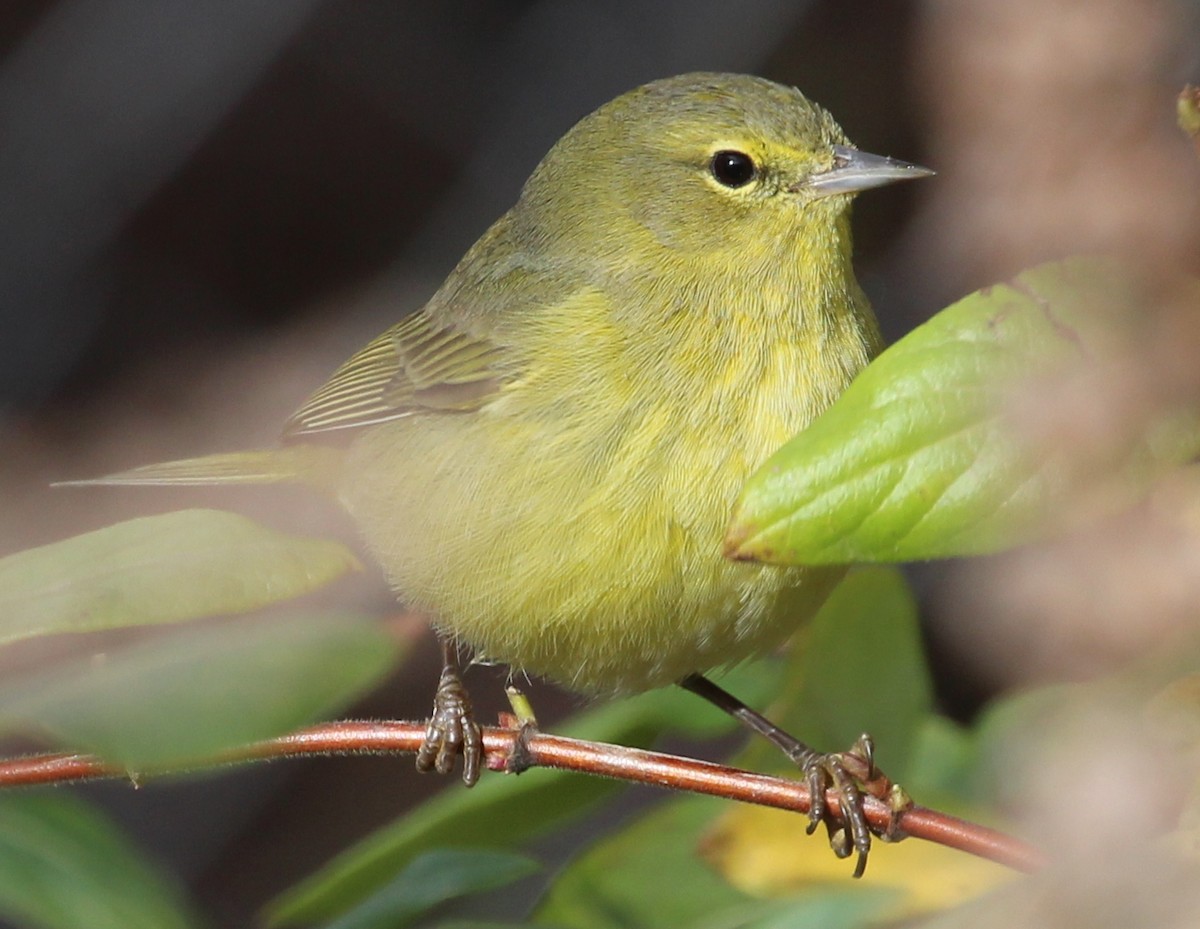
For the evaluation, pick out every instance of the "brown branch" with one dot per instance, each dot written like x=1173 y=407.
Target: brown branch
x=549 y=751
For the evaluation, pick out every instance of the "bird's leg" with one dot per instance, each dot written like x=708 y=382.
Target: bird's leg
x=842 y=771
x=452 y=728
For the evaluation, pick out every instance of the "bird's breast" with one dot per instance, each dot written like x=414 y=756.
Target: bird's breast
x=573 y=528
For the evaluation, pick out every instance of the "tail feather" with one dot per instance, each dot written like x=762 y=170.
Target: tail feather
x=296 y=464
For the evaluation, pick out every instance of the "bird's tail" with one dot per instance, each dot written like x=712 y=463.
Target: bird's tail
x=316 y=465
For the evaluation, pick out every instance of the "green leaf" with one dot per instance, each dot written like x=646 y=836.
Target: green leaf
x=832 y=909
x=160 y=569
x=647 y=874
x=1012 y=728
x=432 y=879
x=920 y=458
x=65 y=866
x=858 y=667
x=650 y=875
x=943 y=763
x=505 y=811
x=188 y=695
x=498 y=813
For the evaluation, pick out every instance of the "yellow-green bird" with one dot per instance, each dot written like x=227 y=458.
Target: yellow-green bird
x=545 y=456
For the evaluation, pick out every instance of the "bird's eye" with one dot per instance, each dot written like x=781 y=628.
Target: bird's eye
x=733 y=169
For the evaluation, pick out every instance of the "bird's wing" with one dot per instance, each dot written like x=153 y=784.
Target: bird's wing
x=420 y=364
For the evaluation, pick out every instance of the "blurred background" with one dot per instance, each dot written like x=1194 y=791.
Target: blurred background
x=205 y=207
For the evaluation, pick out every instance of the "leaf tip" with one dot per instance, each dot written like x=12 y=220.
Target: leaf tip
x=739 y=544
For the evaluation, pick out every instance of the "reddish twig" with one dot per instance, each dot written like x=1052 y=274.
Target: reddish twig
x=549 y=751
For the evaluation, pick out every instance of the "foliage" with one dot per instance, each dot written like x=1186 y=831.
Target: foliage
x=917 y=460
x=923 y=457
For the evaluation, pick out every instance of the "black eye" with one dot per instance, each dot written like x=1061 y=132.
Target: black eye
x=733 y=169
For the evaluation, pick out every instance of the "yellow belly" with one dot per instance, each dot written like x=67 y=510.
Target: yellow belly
x=588 y=555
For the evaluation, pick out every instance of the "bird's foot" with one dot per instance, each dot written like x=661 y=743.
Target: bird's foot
x=852 y=775
x=452 y=730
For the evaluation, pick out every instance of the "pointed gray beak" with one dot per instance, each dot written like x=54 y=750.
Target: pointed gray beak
x=853 y=171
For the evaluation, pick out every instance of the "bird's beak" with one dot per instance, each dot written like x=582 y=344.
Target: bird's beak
x=853 y=171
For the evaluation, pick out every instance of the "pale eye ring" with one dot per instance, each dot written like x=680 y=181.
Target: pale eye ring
x=732 y=168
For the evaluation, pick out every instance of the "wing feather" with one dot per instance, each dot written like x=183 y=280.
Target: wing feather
x=418 y=364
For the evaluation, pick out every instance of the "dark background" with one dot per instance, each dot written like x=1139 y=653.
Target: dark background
x=205 y=207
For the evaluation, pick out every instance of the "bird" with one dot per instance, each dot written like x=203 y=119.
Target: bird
x=544 y=457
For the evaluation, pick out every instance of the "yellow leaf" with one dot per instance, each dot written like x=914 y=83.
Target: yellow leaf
x=766 y=853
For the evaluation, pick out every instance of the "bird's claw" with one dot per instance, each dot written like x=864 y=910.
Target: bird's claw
x=852 y=775
x=451 y=731
x=849 y=832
